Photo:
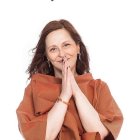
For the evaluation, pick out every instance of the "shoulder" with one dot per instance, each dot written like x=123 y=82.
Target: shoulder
x=41 y=78
x=37 y=76
x=97 y=83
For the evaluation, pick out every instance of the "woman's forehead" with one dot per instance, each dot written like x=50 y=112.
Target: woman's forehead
x=58 y=37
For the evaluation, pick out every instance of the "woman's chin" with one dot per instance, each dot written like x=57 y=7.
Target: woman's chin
x=58 y=68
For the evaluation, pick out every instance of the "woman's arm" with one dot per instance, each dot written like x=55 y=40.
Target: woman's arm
x=55 y=118
x=89 y=116
x=56 y=115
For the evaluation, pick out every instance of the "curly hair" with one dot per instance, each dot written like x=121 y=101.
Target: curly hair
x=39 y=63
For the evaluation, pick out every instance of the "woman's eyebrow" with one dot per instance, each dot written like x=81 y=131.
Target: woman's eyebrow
x=51 y=46
x=67 y=41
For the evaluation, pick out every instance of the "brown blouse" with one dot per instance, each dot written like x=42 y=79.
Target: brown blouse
x=42 y=93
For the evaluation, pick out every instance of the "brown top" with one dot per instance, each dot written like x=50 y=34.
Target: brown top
x=40 y=96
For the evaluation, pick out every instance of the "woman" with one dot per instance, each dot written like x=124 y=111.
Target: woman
x=63 y=101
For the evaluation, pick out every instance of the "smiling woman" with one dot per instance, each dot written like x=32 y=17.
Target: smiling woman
x=63 y=101
x=59 y=44
x=56 y=36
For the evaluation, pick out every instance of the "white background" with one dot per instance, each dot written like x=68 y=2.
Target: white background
x=111 y=31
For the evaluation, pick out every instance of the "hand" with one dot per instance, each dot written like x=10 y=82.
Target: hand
x=74 y=85
x=66 y=85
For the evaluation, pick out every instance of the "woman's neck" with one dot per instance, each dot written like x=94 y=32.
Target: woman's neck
x=57 y=73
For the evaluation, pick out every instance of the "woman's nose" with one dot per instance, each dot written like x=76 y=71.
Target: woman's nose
x=61 y=53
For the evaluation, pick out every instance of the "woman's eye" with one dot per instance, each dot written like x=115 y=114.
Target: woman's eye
x=53 y=49
x=66 y=45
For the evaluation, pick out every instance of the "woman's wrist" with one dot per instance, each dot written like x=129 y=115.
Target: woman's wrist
x=65 y=97
x=59 y=99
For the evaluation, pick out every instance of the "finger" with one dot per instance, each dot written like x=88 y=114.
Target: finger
x=65 y=70
x=66 y=62
x=72 y=78
x=68 y=80
x=62 y=68
x=68 y=73
x=68 y=69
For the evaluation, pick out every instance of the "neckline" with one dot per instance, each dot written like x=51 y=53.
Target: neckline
x=52 y=79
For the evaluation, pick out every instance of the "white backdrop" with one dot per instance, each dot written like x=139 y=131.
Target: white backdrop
x=111 y=31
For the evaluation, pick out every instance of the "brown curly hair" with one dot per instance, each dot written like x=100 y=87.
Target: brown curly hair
x=39 y=63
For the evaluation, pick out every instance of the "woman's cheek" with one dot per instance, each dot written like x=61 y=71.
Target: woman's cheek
x=53 y=57
x=71 y=51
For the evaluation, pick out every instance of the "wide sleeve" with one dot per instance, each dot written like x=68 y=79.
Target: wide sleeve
x=109 y=112
x=32 y=127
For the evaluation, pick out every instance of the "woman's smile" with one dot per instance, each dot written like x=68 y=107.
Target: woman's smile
x=61 y=61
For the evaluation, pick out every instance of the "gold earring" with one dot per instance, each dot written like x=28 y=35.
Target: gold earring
x=49 y=64
x=79 y=56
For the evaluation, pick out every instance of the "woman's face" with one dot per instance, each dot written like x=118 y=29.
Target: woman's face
x=59 y=44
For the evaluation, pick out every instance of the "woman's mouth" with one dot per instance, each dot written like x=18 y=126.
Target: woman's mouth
x=61 y=61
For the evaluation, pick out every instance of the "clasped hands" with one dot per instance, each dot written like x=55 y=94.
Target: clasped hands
x=69 y=85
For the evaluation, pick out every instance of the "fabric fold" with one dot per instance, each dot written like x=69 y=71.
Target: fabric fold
x=91 y=136
x=30 y=126
x=109 y=112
